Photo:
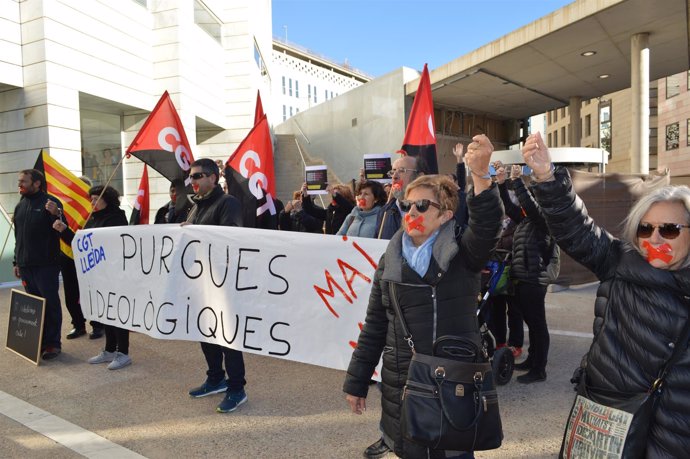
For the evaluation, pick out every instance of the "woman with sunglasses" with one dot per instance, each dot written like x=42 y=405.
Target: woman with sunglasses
x=642 y=303
x=362 y=220
x=432 y=269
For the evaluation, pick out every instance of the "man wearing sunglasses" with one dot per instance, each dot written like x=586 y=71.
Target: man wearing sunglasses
x=404 y=171
x=213 y=207
x=640 y=347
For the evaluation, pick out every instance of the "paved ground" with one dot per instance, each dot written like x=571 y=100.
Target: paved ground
x=67 y=408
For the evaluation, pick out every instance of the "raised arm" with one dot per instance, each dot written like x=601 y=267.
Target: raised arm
x=566 y=214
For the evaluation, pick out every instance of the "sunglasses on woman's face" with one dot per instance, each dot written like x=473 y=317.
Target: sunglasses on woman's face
x=422 y=205
x=666 y=230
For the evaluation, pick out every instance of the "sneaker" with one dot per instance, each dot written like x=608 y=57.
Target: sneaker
x=209 y=389
x=517 y=351
x=50 y=353
x=377 y=450
x=232 y=400
x=76 y=333
x=532 y=376
x=120 y=361
x=103 y=357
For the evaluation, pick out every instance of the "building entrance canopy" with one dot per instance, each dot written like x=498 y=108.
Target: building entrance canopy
x=542 y=65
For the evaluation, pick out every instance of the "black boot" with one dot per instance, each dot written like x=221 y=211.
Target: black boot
x=532 y=376
x=524 y=365
x=377 y=450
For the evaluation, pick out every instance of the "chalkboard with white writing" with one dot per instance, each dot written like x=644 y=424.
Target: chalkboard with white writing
x=25 y=327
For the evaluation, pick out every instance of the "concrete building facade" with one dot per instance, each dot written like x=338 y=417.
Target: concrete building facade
x=303 y=79
x=78 y=79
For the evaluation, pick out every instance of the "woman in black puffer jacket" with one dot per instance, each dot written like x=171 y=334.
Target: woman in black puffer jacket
x=642 y=303
x=433 y=269
x=106 y=213
x=534 y=256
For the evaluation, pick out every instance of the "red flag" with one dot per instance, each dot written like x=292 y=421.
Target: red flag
x=162 y=143
x=259 y=110
x=420 y=136
x=252 y=171
x=140 y=214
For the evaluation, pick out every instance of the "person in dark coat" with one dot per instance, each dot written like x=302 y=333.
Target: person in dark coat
x=534 y=264
x=433 y=269
x=106 y=213
x=212 y=206
x=170 y=212
x=338 y=209
x=294 y=218
x=37 y=253
x=643 y=301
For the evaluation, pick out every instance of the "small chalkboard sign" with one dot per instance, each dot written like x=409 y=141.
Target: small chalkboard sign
x=25 y=327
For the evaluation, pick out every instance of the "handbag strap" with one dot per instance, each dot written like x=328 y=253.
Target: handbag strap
x=407 y=336
x=678 y=349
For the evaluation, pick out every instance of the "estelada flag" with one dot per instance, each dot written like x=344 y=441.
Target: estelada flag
x=140 y=213
x=162 y=144
x=250 y=175
x=70 y=190
x=420 y=136
x=259 y=109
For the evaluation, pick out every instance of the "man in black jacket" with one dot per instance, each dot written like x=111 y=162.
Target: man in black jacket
x=37 y=254
x=213 y=207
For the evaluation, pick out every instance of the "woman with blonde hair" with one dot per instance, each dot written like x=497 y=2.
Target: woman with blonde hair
x=431 y=268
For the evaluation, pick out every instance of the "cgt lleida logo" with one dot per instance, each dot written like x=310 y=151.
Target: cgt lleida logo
x=89 y=255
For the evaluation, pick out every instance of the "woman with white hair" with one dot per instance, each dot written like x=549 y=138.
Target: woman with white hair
x=642 y=304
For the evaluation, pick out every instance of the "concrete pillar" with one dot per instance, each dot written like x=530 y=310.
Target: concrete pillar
x=575 y=122
x=639 y=87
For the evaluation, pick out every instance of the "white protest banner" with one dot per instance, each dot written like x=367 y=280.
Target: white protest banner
x=295 y=296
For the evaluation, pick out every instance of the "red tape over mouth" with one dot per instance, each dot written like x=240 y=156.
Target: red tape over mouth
x=414 y=223
x=361 y=203
x=661 y=252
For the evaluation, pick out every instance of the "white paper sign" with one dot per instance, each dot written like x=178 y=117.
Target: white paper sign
x=296 y=296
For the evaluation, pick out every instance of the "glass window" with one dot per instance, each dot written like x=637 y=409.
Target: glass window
x=548 y=117
x=563 y=112
x=672 y=86
x=102 y=148
x=284 y=112
x=555 y=116
x=315 y=96
x=290 y=111
x=283 y=85
x=297 y=89
x=290 y=88
x=672 y=136
x=309 y=92
x=550 y=144
x=209 y=22
x=605 y=127
x=687 y=125
x=555 y=138
x=588 y=125
x=564 y=137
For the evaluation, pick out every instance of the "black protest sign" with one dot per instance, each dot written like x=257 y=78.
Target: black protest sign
x=376 y=167
x=316 y=178
x=25 y=327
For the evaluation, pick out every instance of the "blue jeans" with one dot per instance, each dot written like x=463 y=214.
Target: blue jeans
x=43 y=281
x=234 y=365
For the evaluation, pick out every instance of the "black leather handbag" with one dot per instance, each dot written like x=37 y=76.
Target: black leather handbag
x=449 y=401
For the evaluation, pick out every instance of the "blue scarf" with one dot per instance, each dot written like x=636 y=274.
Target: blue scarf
x=418 y=257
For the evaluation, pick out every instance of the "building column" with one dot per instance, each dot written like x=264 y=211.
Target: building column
x=575 y=122
x=639 y=86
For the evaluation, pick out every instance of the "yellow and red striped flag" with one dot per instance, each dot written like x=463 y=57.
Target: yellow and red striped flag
x=70 y=190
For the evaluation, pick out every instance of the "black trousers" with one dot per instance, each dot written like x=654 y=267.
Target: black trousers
x=497 y=321
x=529 y=299
x=70 y=286
x=234 y=365
x=44 y=281
x=116 y=339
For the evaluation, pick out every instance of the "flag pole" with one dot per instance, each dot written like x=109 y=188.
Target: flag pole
x=105 y=186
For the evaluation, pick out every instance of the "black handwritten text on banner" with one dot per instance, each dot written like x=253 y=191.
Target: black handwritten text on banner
x=295 y=296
